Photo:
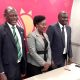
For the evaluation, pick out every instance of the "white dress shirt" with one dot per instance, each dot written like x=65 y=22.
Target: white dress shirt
x=65 y=32
x=18 y=35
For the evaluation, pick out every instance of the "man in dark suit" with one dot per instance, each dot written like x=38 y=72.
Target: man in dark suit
x=60 y=39
x=12 y=48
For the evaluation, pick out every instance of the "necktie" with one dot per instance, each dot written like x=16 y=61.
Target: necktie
x=17 y=44
x=63 y=36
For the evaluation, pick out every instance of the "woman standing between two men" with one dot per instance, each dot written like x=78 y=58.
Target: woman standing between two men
x=39 y=56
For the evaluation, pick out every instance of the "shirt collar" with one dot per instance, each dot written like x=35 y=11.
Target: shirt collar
x=61 y=25
x=11 y=25
x=37 y=32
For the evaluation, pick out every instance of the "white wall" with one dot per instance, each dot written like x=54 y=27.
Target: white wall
x=75 y=25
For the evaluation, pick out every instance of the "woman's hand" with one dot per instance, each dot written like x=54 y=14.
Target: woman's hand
x=45 y=67
x=3 y=76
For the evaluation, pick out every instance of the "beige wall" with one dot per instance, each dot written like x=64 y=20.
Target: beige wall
x=75 y=25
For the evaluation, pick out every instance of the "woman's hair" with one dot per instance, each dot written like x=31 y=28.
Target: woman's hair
x=37 y=19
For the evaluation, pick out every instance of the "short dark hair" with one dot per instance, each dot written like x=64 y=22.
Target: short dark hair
x=37 y=19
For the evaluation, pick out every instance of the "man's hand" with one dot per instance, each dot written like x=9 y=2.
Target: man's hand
x=3 y=76
x=69 y=60
x=23 y=75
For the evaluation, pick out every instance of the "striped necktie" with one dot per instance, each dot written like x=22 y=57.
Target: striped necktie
x=17 y=44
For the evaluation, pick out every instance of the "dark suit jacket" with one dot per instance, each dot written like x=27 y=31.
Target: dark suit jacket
x=57 y=44
x=8 y=51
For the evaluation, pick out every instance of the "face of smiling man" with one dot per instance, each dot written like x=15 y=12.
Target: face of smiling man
x=11 y=15
x=63 y=18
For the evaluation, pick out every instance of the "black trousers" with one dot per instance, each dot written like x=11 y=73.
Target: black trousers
x=62 y=64
x=33 y=70
x=17 y=73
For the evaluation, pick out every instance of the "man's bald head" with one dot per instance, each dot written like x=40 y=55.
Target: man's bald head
x=8 y=10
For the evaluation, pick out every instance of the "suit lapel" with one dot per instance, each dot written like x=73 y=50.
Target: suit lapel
x=21 y=33
x=67 y=32
x=9 y=33
x=39 y=38
x=59 y=32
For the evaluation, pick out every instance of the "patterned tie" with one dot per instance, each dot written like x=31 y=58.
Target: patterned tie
x=17 y=44
x=63 y=35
